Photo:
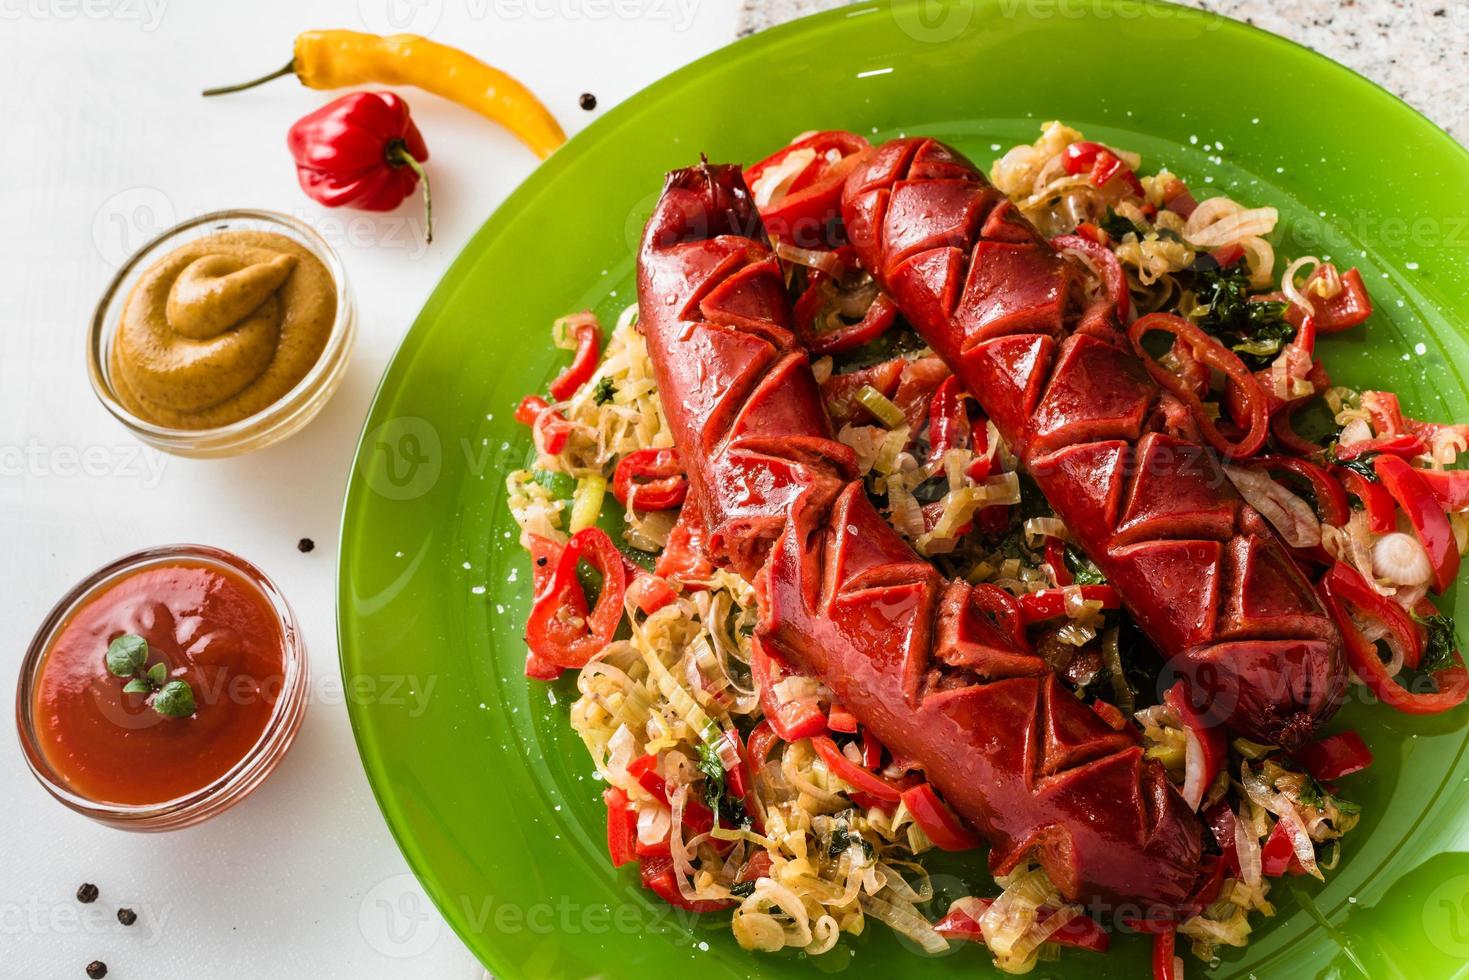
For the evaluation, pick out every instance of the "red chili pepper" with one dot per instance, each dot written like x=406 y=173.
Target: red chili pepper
x=757 y=747
x=584 y=362
x=530 y=409
x=1079 y=932
x=622 y=827
x=1208 y=351
x=1453 y=681
x=1092 y=233
x=697 y=818
x=1104 y=165
x=937 y=821
x=803 y=214
x=792 y=720
x=1163 y=955
x=948 y=425
x=1334 y=756
x=851 y=773
x=839 y=719
x=648 y=592
x=650 y=479
x=1386 y=412
x=1331 y=500
x=1382 y=512
x=658 y=877
x=1429 y=521
x=559 y=630
x=1107 y=264
x=362 y=150
x=549 y=428
x=1111 y=714
x=1404 y=445
x=1349 y=307
x=545 y=558
x=1051 y=603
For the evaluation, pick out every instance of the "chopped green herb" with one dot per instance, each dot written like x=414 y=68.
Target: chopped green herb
x=1256 y=330
x=559 y=484
x=604 y=391
x=1362 y=465
x=730 y=811
x=1082 y=569
x=1116 y=226
x=138 y=685
x=843 y=838
x=1443 y=640
x=742 y=889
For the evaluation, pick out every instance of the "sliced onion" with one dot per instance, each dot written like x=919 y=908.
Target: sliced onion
x=1288 y=283
x=1291 y=516
x=1220 y=221
x=1247 y=846
x=776 y=180
x=812 y=258
x=905 y=920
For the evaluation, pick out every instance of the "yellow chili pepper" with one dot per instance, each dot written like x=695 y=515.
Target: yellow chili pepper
x=338 y=59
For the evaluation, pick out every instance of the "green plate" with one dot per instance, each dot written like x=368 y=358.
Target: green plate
x=490 y=794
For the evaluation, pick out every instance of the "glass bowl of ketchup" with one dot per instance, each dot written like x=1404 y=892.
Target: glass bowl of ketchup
x=163 y=688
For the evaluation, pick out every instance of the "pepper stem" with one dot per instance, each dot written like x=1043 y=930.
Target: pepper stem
x=398 y=156
x=290 y=69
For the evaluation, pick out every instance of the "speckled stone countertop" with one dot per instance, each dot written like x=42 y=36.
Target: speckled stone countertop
x=1417 y=50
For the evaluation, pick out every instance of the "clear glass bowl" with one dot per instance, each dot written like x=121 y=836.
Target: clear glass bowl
x=249 y=772
x=282 y=417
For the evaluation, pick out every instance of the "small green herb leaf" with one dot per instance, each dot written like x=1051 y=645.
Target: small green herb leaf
x=603 y=392
x=158 y=673
x=175 y=700
x=127 y=654
x=1116 y=226
x=742 y=889
x=137 y=686
x=1443 y=640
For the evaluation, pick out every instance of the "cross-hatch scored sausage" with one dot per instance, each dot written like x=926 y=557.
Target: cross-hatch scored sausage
x=842 y=597
x=1202 y=573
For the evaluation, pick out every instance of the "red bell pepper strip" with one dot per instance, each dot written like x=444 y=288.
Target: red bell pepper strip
x=1278 y=855
x=1164 y=944
x=1092 y=233
x=1079 y=932
x=1111 y=714
x=584 y=361
x=1084 y=155
x=757 y=747
x=1056 y=558
x=936 y=820
x=1382 y=512
x=815 y=306
x=649 y=593
x=872 y=750
x=559 y=630
x=622 y=827
x=658 y=877
x=758 y=866
x=948 y=425
x=1332 y=505
x=1429 y=521
x=1207 y=748
x=1051 y=603
x=549 y=428
x=1347 y=585
x=1246 y=391
x=1404 y=444
x=1449 y=487
x=697 y=817
x=839 y=719
x=852 y=774
x=802 y=215
x=1453 y=681
x=545 y=559
x=530 y=409
x=650 y=479
x=1334 y=756
x=1349 y=307
x=792 y=720
x=1105 y=261
x=1386 y=412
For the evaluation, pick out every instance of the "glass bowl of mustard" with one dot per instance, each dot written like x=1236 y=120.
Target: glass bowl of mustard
x=223 y=335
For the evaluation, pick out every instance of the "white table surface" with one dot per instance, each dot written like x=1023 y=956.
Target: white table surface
x=107 y=140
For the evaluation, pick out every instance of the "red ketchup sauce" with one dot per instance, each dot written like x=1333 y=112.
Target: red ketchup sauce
x=211 y=628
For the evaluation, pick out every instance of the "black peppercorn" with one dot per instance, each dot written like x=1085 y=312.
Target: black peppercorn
x=96 y=969
x=588 y=101
x=87 y=894
x=127 y=916
x=305 y=545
